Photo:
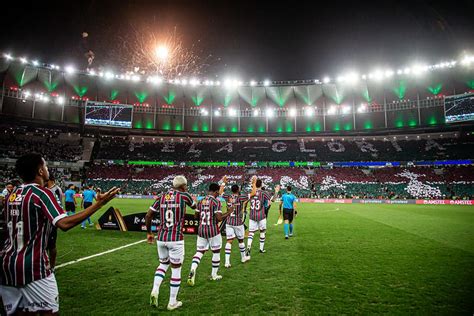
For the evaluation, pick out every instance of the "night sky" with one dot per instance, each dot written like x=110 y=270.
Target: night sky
x=250 y=39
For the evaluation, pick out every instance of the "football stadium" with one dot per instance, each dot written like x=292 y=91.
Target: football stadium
x=124 y=190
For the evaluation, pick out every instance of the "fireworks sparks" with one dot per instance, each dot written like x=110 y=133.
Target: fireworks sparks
x=148 y=52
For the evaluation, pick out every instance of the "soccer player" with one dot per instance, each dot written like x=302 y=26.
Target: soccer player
x=58 y=194
x=288 y=201
x=210 y=213
x=70 y=201
x=27 y=282
x=171 y=208
x=235 y=222
x=88 y=197
x=257 y=219
x=8 y=189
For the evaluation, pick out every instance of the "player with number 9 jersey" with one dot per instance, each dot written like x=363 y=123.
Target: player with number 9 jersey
x=171 y=207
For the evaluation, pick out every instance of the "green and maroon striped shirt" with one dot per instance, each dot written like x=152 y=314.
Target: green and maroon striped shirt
x=207 y=209
x=171 y=207
x=237 y=201
x=257 y=205
x=30 y=213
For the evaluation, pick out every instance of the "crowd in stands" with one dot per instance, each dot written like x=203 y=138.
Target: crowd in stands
x=390 y=182
x=52 y=144
x=286 y=150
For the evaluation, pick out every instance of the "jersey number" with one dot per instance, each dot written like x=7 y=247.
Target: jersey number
x=169 y=217
x=205 y=218
x=255 y=205
x=19 y=233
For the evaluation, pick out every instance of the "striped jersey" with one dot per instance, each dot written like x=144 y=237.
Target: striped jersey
x=237 y=201
x=171 y=207
x=31 y=211
x=58 y=193
x=257 y=205
x=207 y=209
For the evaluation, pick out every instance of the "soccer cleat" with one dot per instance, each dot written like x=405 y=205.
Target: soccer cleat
x=216 y=277
x=227 y=265
x=245 y=259
x=286 y=237
x=291 y=235
x=174 y=306
x=262 y=251
x=91 y=224
x=191 y=277
x=154 y=299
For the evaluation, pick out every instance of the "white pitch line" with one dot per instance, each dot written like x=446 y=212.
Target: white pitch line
x=99 y=254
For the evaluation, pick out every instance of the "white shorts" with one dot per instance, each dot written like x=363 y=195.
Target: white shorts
x=171 y=251
x=234 y=231
x=37 y=296
x=215 y=242
x=260 y=225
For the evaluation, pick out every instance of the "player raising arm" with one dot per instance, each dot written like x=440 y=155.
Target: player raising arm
x=258 y=220
x=28 y=283
x=209 y=210
x=171 y=209
x=235 y=222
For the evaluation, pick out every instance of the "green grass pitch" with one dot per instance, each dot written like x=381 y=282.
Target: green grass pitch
x=344 y=259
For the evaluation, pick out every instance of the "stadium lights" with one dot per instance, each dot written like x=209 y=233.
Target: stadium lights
x=109 y=75
x=361 y=108
x=232 y=112
x=269 y=112
x=35 y=63
x=23 y=60
x=255 y=112
x=388 y=73
x=467 y=60
x=60 y=100
x=346 y=109
x=194 y=82
x=309 y=111
x=406 y=71
x=266 y=83
x=217 y=113
x=8 y=56
x=332 y=110
x=293 y=112
x=204 y=112
x=70 y=69
x=27 y=93
x=135 y=78
x=352 y=78
x=92 y=72
x=45 y=99
x=327 y=80
x=184 y=82
x=253 y=83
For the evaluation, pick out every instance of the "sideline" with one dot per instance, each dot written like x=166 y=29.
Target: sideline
x=98 y=254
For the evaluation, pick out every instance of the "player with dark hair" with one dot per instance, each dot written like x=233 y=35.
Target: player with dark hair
x=70 y=201
x=235 y=222
x=27 y=282
x=171 y=208
x=288 y=202
x=257 y=219
x=209 y=211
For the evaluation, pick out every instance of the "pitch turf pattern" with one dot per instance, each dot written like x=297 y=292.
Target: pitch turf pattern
x=344 y=259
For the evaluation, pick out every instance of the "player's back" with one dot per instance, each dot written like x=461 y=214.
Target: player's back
x=236 y=201
x=30 y=212
x=207 y=209
x=257 y=205
x=172 y=209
